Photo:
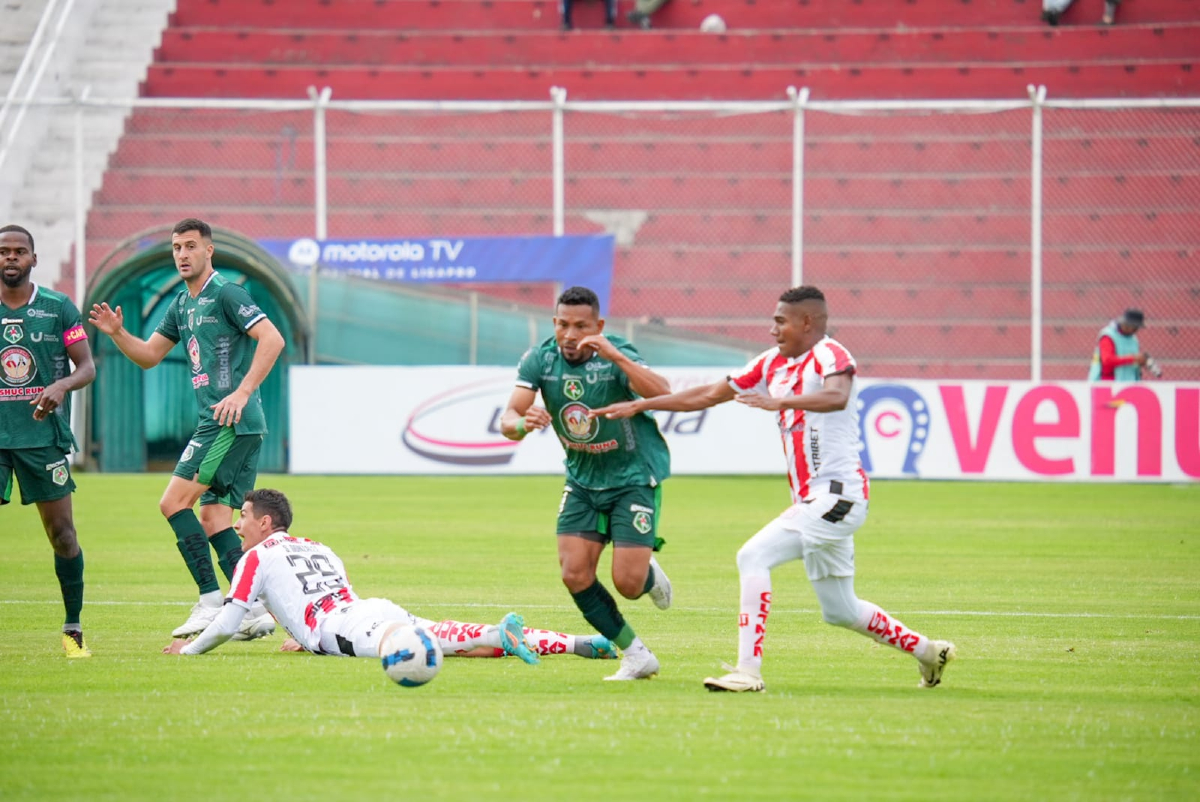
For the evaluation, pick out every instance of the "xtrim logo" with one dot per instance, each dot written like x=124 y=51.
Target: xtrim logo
x=437 y=427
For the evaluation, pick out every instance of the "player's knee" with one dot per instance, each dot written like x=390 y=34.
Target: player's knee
x=578 y=580
x=628 y=586
x=62 y=537
x=749 y=560
x=838 y=616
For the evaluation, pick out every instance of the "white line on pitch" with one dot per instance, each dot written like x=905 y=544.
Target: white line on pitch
x=968 y=613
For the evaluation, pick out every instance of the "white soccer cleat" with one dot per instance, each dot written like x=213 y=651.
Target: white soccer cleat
x=937 y=653
x=202 y=615
x=253 y=628
x=636 y=664
x=660 y=594
x=736 y=681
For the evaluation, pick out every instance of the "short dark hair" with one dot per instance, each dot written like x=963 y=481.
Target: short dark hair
x=266 y=501
x=579 y=296
x=19 y=230
x=192 y=224
x=805 y=293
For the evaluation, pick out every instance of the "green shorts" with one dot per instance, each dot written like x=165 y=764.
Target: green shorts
x=627 y=516
x=224 y=461
x=44 y=474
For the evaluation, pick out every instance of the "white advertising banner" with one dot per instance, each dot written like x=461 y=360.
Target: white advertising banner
x=445 y=420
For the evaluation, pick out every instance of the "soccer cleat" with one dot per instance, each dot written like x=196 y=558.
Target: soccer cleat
x=736 y=681
x=941 y=652
x=202 y=615
x=602 y=648
x=636 y=664
x=253 y=628
x=512 y=638
x=74 y=646
x=660 y=594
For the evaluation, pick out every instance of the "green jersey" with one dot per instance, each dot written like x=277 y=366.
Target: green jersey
x=33 y=354
x=213 y=327
x=601 y=453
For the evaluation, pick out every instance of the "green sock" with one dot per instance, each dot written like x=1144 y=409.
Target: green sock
x=70 y=579
x=649 y=582
x=228 y=547
x=600 y=610
x=193 y=546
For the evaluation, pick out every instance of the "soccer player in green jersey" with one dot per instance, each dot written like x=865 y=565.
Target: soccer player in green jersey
x=40 y=331
x=614 y=468
x=221 y=326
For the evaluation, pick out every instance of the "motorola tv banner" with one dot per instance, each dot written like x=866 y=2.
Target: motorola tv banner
x=569 y=260
x=447 y=420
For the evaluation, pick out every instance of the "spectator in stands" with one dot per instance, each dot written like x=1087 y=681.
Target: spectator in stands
x=1053 y=9
x=1118 y=357
x=610 y=14
x=642 y=12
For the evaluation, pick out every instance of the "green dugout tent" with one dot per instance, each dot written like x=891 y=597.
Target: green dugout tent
x=134 y=418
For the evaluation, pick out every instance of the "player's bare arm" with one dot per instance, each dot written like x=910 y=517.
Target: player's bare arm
x=642 y=380
x=143 y=353
x=52 y=397
x=228 y=410
x=833 y=396
x=521 y=416
x=689 y=400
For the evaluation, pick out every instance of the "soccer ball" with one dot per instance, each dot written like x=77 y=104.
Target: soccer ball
x=713 y=23
x=410 y=655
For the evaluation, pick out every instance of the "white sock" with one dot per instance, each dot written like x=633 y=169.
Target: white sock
x=883 y=628
x=457 y=637
x=636 y=645
x=753 y=610
x=545 y=641
x=212 y=599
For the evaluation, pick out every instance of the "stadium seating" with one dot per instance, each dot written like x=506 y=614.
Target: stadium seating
x=918 y=225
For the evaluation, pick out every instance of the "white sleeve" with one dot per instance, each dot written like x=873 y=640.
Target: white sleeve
x=223 y=627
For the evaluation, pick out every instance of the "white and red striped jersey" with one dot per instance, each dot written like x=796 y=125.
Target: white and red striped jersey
x=820 y=447
x=298 y=580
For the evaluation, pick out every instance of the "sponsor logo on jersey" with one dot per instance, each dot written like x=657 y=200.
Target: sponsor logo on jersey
x=193 y=349
x=13 y=333
x=642 y=523
x=576 y=423
x=39 y=313
x=205 y=301
x=191 y=319
x=19 y=367
x=19 y=393
x=199 y=381
x=573 y=390
x=248 y=311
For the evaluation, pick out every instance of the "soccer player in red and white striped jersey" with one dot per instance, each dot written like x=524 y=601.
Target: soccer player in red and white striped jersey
x=807 y=382
x=303 y=585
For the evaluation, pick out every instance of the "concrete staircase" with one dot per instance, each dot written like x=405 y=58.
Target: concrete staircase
x=103 y=50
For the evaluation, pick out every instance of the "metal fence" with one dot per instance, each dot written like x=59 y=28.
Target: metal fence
x=954 y=239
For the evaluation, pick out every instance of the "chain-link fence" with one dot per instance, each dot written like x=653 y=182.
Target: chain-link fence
x=940 y=256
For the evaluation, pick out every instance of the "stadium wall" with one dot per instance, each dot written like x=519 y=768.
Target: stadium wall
x=446 y=420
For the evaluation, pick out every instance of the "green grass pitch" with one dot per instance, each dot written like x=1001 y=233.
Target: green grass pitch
x=1075 y=608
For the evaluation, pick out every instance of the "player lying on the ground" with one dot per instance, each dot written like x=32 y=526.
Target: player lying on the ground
x=303 y=585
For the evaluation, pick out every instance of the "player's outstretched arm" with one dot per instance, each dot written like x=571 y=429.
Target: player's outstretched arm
x=689 y=400
x=222 y=628
x=143 y=353
x=833 y=396
x=521 y=417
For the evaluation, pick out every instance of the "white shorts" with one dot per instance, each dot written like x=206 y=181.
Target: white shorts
x=819 y=531
x=355 y=630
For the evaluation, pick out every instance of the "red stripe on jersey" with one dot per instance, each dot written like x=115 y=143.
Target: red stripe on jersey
x=751 y=377
x=841 y=359
x=866 y=484
x=249 y=566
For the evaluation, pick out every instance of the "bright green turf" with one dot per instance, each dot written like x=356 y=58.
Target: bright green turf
x=1076 y=610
